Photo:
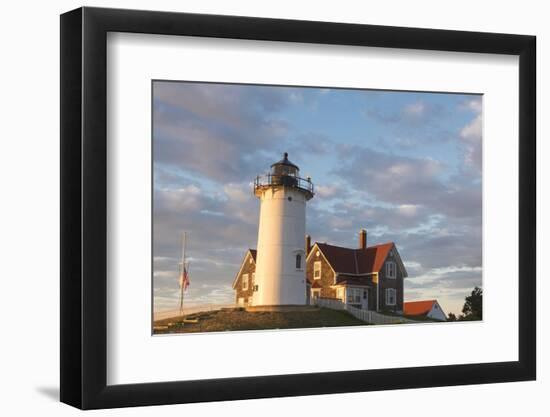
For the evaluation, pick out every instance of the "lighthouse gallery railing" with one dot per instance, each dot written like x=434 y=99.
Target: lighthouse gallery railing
x=304 y=184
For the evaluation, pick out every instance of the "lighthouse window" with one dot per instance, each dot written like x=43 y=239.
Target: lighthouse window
x=317 y=270
x=245 y=282
x=298 y=261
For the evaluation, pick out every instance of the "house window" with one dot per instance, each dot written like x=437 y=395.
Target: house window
x=391 y=270
x=245 y=282
x=317 y=270
x=390 y=296
x=316 y=293
x=298 y=261
x=354 y=295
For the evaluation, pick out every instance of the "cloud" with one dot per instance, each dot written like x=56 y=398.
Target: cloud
x=408 y=210
x=238 y=193
x=415 y=109
x=419 y=119
x=214 y=214
x=416 y=113
x=309 y=143
x=409 y=182
x=471 y=134
x=473 y=104
x=471 y=137
x=331 y=191
x=187 y=198
x=218 y=131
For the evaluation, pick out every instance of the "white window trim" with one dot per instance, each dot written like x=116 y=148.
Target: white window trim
x=245 y=282
x=388 y=292
x=317 y=266
x=391 y=266
x=301 y=267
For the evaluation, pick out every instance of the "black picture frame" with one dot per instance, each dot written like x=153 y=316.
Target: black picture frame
x=84 y=207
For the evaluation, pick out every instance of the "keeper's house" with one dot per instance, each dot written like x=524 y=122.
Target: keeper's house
x=367 y=277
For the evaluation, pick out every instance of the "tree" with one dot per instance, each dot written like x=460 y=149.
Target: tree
x=451 y=317
x=473 y=305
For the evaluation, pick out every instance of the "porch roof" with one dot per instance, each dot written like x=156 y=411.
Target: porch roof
x=349 y=280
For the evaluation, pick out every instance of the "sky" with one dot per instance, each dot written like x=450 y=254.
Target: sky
x=404 y=165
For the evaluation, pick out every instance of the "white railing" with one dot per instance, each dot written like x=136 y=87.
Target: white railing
x=368 y=316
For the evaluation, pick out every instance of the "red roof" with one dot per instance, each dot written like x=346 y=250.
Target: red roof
x=417 y=308
x=356 y=261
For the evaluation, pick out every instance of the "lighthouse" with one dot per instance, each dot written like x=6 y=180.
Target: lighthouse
x=280 y=278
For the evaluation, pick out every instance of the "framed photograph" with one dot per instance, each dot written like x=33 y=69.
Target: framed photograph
x=257 y=207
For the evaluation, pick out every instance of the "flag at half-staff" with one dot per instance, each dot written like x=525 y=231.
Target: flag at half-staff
x=184 y=277
x=184 y=273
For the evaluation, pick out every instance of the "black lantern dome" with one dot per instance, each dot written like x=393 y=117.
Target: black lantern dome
x=284 y=167
x=286 y=174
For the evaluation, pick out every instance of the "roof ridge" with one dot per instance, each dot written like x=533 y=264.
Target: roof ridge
x=381 y=244
x=354 y=249
x=334 y=246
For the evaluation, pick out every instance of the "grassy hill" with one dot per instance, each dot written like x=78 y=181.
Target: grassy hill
x=231 y=320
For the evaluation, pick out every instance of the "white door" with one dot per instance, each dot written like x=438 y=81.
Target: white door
x=315 y=294
x=365 y=300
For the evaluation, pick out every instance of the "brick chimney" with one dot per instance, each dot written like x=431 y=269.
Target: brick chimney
x=308 y=244
x=362 y=239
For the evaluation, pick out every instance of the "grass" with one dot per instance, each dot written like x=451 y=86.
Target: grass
x=234 y=320
x=423 y=319
x=419 y=319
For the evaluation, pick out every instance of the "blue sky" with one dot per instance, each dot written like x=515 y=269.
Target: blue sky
x=404 y=165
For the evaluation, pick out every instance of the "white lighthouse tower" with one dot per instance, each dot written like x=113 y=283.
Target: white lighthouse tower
x=280 y=277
